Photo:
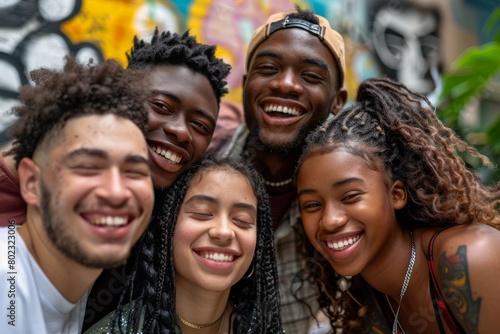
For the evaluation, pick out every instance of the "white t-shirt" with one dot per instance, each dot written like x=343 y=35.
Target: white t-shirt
x=29 y=303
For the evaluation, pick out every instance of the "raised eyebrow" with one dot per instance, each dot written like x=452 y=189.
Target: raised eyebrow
x=201 y=198
x=135 y=158
x=334 y=185
x=347 y=180
x=316 y=61
x=165 y=93
x=97 y=153
x=85 y=151
x=310 y=60
x=177 y=100
x=210 y=199
x=268 y=53
x=306 y=191
x=206 y=115
x=246 y=206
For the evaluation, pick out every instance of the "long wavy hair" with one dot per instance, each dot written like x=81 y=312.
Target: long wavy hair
x=152 y=282
x=396 y=128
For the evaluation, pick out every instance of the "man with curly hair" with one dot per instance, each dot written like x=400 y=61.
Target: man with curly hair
x=186 y=82
x=83 y=171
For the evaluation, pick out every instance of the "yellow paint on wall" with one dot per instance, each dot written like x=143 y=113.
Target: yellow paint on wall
x=106 y=24
x=112 y=24
x=229 y=24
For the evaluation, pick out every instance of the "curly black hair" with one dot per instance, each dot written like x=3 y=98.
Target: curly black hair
x=167 y=48
x=76 y=90
x=395 y=129
x=152 y=283
x=304 y=14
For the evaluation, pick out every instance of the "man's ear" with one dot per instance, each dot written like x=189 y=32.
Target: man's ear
x=339 y=102
x=29 y=178
x=399 y=195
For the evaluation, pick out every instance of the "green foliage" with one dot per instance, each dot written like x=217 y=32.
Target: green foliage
x=491 y=25
x=470 y=74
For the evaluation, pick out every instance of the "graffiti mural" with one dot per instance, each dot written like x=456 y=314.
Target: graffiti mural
x=395 y=38
x=405 y=39
x=31 y=37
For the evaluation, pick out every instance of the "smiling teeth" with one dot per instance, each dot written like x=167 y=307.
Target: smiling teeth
x=168 y=155
x=281 y=109
x=218 y=257
x=339 y=245
x=110 y=221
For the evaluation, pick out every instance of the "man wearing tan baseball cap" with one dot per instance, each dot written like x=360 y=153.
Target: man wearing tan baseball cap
x=295 y=69
x=284 y=20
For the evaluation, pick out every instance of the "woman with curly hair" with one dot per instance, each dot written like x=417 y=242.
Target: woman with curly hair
x=405 y=237
x=207 y=265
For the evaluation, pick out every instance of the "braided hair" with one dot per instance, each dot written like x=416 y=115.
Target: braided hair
x=167 y=48
x=396 y=130
x=152 y=283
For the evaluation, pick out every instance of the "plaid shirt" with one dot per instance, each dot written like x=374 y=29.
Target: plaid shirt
x=295 y=315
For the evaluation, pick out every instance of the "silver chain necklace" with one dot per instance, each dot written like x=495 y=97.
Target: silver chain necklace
x=404 y=287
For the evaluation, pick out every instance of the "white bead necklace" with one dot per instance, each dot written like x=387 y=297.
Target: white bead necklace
x=278 y=184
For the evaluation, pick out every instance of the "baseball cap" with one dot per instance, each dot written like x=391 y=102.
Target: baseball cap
x=329 y=37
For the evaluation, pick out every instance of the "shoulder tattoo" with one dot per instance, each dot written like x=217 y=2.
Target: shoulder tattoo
x=457 y=291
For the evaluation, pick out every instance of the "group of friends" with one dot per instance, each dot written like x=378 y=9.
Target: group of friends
x=118 y=218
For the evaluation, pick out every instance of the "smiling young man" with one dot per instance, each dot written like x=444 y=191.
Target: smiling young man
x=186 y=82
x=83 y=171
x=295 y=72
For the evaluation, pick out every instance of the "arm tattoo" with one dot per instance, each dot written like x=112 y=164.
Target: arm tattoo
x=457 y=292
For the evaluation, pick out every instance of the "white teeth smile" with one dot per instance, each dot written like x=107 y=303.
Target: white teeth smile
x=168 y=155
x=110 y=221
x=281 y=109
x=342 y=244
x=217 y=257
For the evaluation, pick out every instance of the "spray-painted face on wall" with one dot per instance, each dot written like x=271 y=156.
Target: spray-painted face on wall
x=405 y=40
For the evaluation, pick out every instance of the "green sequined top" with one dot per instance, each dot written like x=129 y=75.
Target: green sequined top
x=104 y=325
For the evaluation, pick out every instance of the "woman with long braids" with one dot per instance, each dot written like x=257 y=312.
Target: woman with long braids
x=405 y=237
x=207 y=263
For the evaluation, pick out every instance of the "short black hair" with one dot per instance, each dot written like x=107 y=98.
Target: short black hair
x=76 y=90
x=167 y=48
x=304 y=14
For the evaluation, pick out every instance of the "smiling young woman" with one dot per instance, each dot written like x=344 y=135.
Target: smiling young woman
x=207 y=265
x=399 y=222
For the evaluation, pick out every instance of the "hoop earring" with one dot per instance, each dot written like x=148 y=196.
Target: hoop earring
x=251 y=272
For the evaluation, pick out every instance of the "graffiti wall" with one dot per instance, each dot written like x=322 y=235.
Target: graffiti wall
x=37 y=33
